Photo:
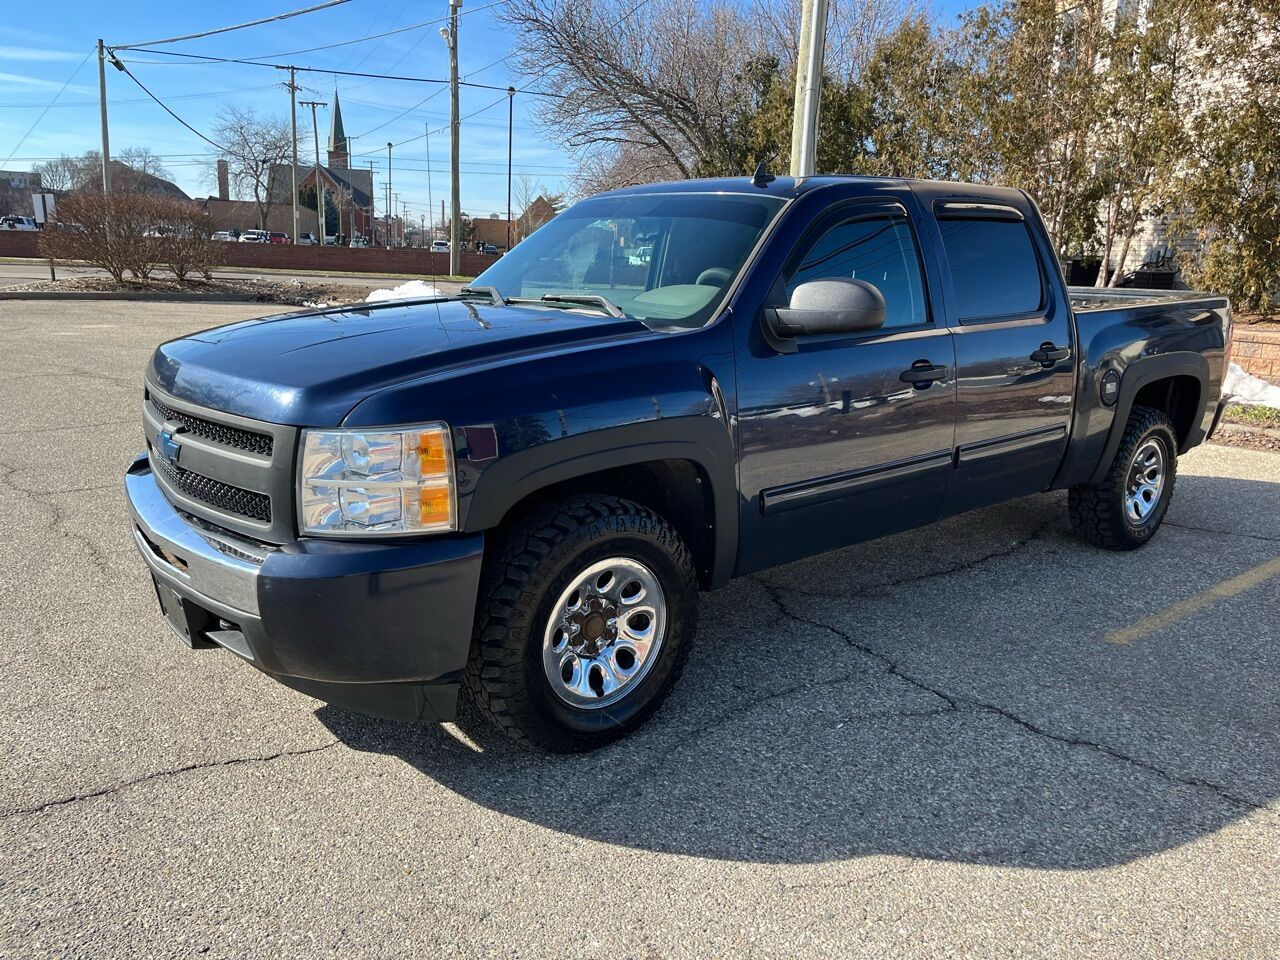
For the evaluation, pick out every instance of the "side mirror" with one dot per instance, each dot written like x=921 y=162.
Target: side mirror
x=830 y=305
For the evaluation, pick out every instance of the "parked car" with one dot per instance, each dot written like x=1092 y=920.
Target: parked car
x=278 y=237
x=359 y=241
x=224 y=235
x=439 y=246
x=18 y=223
x=307 y=240
x=520 y=489
x=331 y=241
x=489 y=248
x=255 y=236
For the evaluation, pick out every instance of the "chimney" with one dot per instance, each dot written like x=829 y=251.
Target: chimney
x=224 y=180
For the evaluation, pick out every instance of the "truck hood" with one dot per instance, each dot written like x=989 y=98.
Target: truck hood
x=311 y=369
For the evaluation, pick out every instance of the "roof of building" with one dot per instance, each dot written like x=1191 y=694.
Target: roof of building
x=337 y=135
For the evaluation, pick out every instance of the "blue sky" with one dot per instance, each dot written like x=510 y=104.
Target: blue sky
x=36 y=60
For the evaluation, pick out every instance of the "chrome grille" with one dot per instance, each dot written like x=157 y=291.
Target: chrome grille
x=216 y=432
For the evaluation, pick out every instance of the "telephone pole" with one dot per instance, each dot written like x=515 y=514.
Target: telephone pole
x=804 y=129
x=455 y=189
x=102 y=107
x=315 y=131
x=293 y=168
x=388 y=194
x=511 y=109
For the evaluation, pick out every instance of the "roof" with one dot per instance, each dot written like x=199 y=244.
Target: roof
x=792 y=187
x=337 y=135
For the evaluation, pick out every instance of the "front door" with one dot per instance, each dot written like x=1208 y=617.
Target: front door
x=850 y=436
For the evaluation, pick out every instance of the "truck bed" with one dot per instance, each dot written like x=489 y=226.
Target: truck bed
x=1104 y=298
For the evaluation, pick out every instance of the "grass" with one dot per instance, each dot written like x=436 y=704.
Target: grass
x=1254 y=416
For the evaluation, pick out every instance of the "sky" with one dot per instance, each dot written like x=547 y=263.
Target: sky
x=37 y=60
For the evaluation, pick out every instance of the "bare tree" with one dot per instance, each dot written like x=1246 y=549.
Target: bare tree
x=664 y=78
x=59 y=175
x=252 y=144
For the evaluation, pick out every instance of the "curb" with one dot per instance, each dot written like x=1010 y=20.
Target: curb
x=156 y=297
x=1227 y=426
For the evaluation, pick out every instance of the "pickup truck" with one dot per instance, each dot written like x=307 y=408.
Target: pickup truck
x=519 y=490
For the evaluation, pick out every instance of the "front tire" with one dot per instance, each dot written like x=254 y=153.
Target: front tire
x=1125 y=510
x=587 y=611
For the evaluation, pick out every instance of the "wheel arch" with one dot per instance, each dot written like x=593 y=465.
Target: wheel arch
x=685 y=473
x=1176 y=383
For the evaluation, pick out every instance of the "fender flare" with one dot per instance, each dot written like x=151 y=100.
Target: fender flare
x=702 y=440
x=1137 y=375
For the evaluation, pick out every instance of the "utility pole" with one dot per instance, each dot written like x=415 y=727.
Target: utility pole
x=102 y=106
x=293 y=168
x=511 y=109
x=431 y=204
x=315 y=132
x=455 y=188
x=396 y=210
x=804 y=130
x=388 y=194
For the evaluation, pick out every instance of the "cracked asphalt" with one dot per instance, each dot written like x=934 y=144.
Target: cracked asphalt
x=926 y=746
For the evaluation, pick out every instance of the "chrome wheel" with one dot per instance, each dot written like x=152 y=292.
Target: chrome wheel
x=604 y=633
x=1145 y=482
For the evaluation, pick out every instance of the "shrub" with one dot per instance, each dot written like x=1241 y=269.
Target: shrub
x=107 y=230
x=186 y=239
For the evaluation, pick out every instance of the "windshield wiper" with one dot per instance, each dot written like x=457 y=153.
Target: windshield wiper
x=590 y=299
x=483 y=291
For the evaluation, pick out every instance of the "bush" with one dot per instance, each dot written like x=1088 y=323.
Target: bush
x=123 y=232
x=186 y=239
x=106 y=230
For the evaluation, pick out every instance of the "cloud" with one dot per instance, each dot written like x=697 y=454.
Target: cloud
x=35 y=83
x=41 y=54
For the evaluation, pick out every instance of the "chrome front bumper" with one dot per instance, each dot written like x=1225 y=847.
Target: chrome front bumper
x=384 y=628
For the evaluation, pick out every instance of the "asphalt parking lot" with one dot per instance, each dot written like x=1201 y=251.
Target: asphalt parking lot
x=980 y=739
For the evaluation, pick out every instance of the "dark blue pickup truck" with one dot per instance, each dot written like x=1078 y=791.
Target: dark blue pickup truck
x=521 y=489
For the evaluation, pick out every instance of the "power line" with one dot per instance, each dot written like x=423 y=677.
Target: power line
x=36 y=123
x=238 y=26
x=350 y=73
x=326 y=46
x=165 y=107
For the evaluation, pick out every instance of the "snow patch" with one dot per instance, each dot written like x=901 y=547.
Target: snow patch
x=409 y=290
x=313 y=305
x=1242 y=387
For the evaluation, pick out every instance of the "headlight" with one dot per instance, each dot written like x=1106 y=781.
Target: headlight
x=362 y=482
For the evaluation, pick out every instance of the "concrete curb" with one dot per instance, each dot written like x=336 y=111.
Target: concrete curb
x=1228 y=426
x=158 y=296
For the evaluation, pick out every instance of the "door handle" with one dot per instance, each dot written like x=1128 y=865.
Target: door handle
x=1050 y=353
x=922 y=373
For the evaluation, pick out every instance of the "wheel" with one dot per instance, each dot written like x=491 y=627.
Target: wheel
x=1124 y=511
x=588 y=610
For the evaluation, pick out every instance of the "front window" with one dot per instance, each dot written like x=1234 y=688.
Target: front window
x=665 y=259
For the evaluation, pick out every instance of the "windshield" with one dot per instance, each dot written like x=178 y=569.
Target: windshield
x=666 y=259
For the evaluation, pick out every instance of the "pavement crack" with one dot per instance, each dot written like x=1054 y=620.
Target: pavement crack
x=161 y=775
x=959 y=702
x=1224 y=533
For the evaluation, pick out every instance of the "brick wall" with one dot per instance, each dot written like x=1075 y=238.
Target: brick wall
x=1257 y=351
x=15 y=243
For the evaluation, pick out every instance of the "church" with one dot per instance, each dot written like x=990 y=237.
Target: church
x=348 y=189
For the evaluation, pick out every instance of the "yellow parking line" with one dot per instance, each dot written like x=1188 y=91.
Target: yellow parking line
x=1196 y=602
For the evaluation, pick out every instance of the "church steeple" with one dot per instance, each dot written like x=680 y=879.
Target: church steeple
x=338 y=148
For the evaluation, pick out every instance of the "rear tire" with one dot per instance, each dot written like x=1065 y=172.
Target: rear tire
x=588 y=608
x=1125 y=510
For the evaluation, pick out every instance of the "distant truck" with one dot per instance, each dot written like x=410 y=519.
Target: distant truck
x=520 y=490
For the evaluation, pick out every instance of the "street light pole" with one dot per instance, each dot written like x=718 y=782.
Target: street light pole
x=315 y=130
x=804 y=129
x=511 y=110
x=388 y=238
x=455 y=188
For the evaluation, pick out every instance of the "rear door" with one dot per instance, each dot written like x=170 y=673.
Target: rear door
x=1015 y=363
x=846 y=438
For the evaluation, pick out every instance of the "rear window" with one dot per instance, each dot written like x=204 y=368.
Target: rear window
x=994 y=268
